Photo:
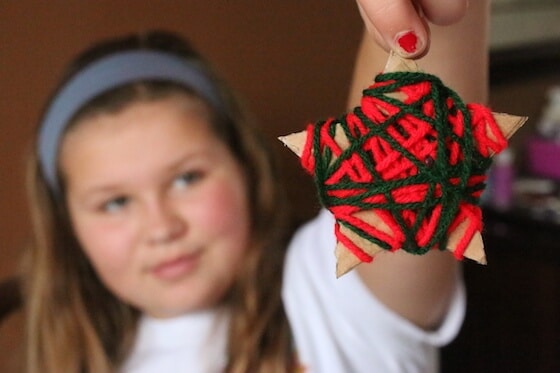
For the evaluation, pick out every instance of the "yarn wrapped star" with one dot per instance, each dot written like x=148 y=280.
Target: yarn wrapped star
x=406 y=168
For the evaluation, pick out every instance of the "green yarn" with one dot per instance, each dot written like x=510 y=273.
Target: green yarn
x=448 y=179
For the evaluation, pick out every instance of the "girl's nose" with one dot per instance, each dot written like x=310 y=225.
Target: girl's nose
x=165 y=224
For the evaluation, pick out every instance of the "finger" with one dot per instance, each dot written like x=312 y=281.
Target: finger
x=444 y=13
x=372 y=31
x=399 y=25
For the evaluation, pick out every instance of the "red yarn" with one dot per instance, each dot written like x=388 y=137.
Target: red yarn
x=418 y=137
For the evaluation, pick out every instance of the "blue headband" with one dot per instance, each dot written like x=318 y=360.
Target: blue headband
x=104 y=75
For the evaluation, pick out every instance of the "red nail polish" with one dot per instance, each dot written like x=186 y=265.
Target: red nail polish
x=408 y=41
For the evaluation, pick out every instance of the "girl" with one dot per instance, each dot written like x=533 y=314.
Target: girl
x=162 y=235
x=160 y=242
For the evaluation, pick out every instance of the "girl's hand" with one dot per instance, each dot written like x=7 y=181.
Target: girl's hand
x=403 y=25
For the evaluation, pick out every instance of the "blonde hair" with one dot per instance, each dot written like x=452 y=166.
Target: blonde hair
x=75 y=324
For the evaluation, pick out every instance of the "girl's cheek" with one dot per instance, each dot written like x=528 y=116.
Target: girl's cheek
x=223 y=206
x=107 y=244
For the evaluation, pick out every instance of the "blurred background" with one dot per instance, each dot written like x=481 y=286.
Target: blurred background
x=513 y=312
x=292 y=62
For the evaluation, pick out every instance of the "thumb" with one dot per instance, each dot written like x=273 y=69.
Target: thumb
x=396 y=25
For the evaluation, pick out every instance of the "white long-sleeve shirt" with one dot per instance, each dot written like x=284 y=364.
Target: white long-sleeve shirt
x=338 y=326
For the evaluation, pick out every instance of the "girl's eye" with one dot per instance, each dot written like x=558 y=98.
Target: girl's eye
x=187 y=178
x=115 y=204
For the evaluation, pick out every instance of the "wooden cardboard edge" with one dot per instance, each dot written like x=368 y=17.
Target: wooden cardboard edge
x=509 y=124
x=398 y=63
x=295 y=141
x=475 y=248
x=345 y=260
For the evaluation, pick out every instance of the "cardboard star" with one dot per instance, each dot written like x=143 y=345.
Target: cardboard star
x=346 y=259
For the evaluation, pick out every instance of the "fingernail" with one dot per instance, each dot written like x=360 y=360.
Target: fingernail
x=407 y=42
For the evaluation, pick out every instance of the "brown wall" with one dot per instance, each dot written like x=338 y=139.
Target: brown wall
x=292 y=60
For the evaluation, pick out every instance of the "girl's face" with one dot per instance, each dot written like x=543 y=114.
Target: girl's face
x=158 y=203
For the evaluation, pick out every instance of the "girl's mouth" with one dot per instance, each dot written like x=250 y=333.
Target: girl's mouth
x=176 y=268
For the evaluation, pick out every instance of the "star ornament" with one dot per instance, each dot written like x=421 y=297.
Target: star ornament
x=405 y=169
